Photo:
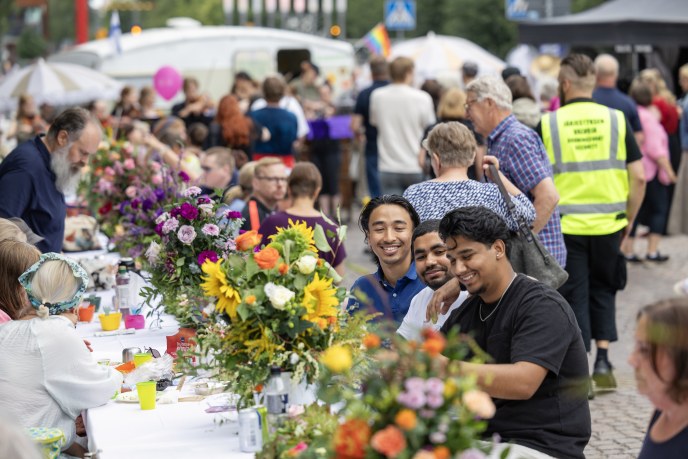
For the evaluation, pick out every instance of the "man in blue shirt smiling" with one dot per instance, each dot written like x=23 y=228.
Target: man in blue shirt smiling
x=388 y=222
x=37 y=174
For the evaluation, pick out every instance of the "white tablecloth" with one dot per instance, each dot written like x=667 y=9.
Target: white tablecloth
x=182 y=430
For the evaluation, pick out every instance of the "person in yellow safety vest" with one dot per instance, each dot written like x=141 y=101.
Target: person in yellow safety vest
x=600 y=180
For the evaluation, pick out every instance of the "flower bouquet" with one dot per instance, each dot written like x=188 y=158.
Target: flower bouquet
x=112 y=179
x=411 y=405
x=138 y=215
x=282 y=308
x=189 y=233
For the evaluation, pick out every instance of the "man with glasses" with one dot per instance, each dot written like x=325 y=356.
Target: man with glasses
x=269 y=188
x=521 y=154
x=36 y=176
x=218 y=171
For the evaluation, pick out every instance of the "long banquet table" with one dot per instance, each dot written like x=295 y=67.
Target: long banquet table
x=179 y=430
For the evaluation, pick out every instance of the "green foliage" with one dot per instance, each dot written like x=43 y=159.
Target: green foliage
x=31 y=45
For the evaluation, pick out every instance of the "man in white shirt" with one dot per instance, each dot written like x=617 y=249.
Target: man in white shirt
x=433 y=268
x=401 y=113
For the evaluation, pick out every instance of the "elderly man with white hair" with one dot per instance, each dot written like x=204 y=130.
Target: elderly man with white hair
x=607 y=94
x=522 y=156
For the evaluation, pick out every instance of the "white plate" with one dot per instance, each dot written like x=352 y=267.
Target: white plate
x=131 y=397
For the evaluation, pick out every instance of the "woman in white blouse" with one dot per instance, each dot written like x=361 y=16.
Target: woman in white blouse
x=47 y=375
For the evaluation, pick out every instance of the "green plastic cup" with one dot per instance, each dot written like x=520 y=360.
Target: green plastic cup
x=140 y=359
x=146 y=391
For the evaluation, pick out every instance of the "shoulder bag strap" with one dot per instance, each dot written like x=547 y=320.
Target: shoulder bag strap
x=523 y=227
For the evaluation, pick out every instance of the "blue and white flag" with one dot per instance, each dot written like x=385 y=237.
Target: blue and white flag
x=115 y=32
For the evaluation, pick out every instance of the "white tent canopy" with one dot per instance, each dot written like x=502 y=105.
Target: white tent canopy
x=441 y=57
x=57 y=84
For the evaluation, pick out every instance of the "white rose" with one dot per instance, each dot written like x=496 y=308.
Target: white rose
x=153 y=252
x=279 y=296
x=206 y=209
x=294 y=358
x=306 y=264
x=163 y=217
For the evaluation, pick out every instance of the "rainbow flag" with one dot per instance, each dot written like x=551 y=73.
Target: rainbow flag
x=377 y=40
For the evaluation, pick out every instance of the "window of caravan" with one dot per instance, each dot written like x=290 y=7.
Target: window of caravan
x=289 y=61
x=257 y=63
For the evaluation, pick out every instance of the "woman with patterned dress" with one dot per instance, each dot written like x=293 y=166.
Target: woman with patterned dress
x=452 y=148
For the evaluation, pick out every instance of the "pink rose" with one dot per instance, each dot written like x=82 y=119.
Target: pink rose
x=129 y=164
x=130 y=192
x=109 y=171
x=155 y=166
x=186 y=234
x=156 y=179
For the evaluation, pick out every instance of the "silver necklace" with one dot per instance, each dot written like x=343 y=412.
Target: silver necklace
x=480 y=309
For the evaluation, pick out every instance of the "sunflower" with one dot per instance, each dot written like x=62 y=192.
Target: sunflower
x=320 y=301
x=299 y=233
x=216 y=284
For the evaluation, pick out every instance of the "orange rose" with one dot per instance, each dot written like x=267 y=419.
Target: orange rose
x=442 y=452
x=283 y=268
x=371 y=341
x=406 y=419
x=479 y=403
x=267 y=258
x=389 y=441
x=250 y=299
x=248 y=240
x=351 y=439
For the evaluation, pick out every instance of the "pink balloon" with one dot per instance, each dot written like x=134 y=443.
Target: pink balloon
x=167 y=82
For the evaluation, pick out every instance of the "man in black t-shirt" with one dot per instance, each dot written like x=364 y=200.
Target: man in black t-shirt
x=538 y=375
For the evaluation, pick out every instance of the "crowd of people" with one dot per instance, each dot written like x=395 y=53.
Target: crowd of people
x=586 y=177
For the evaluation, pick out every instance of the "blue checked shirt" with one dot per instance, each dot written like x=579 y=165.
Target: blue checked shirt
x=523 y=160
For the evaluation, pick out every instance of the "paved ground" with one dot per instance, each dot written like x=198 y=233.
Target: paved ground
x=619 y=419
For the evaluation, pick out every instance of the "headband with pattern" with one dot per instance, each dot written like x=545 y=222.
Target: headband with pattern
x=55 y=308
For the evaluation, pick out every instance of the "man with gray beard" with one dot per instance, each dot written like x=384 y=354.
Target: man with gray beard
x=36 y=175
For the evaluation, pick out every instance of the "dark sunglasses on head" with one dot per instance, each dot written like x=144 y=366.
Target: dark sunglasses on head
x=155 y=353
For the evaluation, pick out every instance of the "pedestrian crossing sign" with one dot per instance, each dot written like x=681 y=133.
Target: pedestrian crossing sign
x=400 y=14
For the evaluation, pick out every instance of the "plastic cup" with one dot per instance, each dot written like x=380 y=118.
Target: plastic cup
x=136 y=321
x=110 y=321
x=146 y=391
x=140 y=359
x=86 y=313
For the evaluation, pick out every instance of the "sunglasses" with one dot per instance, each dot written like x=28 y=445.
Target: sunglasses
x=155 y=353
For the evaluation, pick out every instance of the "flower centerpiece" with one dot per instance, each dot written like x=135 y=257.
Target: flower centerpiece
x=113 y=178
x=410 y=405
x=282 y=308
x=189 y=233
x=138 y=215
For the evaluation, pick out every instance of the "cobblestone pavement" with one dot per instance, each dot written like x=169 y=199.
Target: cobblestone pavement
x=620 y=418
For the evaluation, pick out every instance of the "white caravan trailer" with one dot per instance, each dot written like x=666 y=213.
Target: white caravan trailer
x=213 y=54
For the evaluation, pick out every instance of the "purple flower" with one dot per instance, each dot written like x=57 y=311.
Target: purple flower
x=159 y=194
x=174 y=212
x=434 y=386
x=413 y=400
x=435 y=400
x=188 y=211
x=186 y=234
x=135 y=203
x=170 y=225
x=211 y=230
x=123 y=206
x=204 y=200
x=146 y=205
x=415 y=384
x=207 y=255
x=158 y=228
x=233 y=214
x=184 y=176
x=191 y=191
